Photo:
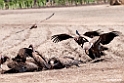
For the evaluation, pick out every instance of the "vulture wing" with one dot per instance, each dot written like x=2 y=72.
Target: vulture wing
x=91 y=34
x=106 y=38
x=60 y=37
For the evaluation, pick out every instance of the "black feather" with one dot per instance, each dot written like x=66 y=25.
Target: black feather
x=60 y=37
x=91 y=34
x=106 y=38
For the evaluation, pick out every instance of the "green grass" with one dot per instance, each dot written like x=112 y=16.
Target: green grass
x=15 y=4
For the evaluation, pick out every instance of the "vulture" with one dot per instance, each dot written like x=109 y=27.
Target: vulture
x=92 y=42
x=20 y=64
x=79 y=39
x=19 y=67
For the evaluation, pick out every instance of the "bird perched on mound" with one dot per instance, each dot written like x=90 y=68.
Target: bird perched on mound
x=91 y=41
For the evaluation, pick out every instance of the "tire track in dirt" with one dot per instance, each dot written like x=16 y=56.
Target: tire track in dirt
x=11 y=34
x=6 y=37
x=48 y=37
x=21 y=41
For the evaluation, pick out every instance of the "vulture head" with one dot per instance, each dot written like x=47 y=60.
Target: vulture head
x=3 y=59
x=55 y=63
x=80 y=40
x=32 y=48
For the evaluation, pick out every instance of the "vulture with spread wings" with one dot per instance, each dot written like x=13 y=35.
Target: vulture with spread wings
x=79 y=39
x=92 y=42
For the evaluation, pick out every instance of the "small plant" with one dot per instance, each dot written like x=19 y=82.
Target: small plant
x=2 y=4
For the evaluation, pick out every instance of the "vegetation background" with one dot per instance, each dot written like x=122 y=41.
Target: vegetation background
x=19 y=4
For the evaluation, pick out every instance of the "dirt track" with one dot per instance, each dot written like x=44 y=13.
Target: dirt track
x=15 y=34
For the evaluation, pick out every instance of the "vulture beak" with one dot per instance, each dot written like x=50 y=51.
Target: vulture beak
x=52 y=64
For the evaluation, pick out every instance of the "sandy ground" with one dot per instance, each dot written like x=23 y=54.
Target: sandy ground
x=15 y=34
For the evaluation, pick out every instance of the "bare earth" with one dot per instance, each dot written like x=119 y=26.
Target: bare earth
x=15 y=34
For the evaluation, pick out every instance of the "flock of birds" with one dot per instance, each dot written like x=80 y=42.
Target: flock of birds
x=92 y=42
